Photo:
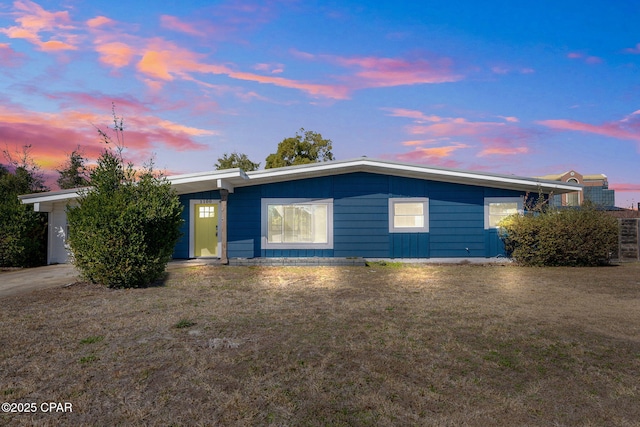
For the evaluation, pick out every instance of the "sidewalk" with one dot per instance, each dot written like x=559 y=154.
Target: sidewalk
x=51 y=276
x=31 y=279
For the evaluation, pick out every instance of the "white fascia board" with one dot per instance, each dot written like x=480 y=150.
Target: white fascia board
x=209 y=180
x=202 y=181
x=50 y=197
x=473 y=178
x=229 y=174
x=409 y=170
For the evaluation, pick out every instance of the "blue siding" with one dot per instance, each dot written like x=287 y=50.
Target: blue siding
x=243 y=212
x=361 y=218
x=409 y=245
x=456 y=221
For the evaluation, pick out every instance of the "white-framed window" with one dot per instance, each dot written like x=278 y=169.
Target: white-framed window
x=498 y=208
x=206 y=211
x=297 y=224
x=573 y=199
x=409 y=215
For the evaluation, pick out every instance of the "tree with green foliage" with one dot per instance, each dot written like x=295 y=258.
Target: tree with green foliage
x=236 y=160
x=581 y=236
x=74 y=173
x=23 y=232
x=125 y=226
x=306 y=147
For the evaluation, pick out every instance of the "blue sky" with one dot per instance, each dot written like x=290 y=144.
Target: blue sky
x=525 y=88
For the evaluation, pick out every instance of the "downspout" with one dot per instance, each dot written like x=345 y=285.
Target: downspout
x=224 y=195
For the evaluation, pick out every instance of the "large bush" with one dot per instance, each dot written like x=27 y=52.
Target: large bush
x=583 y=236
x=23 y=232
x=124 y=228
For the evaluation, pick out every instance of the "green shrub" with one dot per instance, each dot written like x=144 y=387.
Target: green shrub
x=23 y=232
x=582 y=236
x=124 y=229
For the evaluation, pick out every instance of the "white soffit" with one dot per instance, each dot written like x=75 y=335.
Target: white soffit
x=231 y=178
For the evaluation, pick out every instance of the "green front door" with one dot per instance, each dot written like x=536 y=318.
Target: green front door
x=205 y=230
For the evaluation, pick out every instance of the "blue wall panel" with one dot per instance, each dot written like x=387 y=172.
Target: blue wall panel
x=361 y=215
x=409 y=245
x=243 y=234
x=361 y=218
x=456 y=221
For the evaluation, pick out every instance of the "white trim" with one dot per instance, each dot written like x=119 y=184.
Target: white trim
x=425 y=213
x=408 y=170
x=192 y=218
x=233 y=178
x=265 y=202
x=489 y=200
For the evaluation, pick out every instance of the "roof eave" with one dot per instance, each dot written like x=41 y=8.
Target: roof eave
x=411 y=171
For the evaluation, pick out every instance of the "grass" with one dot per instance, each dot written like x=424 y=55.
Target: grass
x=312 y=346
x=184 y=323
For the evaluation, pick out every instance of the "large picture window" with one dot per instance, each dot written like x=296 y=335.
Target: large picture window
x=409 y=215
x=297 y=224
x=498 y=208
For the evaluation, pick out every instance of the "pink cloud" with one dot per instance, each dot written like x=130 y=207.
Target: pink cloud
x=165 y=61
x=498 y=138
x=627 y=128
x=418 y=116
x=55 y=45
x=54 y=135
x=503 y=151
x=315 y=89
x=593 y=60
x=269 y=68
x=33 y=20
x=8 y=56
x=94 y=101
x=174 y=23
x=99 y=21
x=634 y=50
x=418 y=142
x=510 y=119
x=500 y=69
x=384 y=72
x=440 y=151
x=115 y=54
x=586 y=58
x=625 y=187
x=371 y=71
x=452 y=127
x=439 y=156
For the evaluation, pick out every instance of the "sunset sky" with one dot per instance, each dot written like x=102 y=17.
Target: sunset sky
x=526 y=88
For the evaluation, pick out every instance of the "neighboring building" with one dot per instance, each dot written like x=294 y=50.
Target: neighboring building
x=356 y=208
x=595 y=189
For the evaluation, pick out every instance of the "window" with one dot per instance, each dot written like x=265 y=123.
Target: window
x=409 y=215
x=297 y=224
x=498 y=208
x=573 y=199
x=206 y=212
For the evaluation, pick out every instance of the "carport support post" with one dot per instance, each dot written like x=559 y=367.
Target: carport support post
x=224 y=195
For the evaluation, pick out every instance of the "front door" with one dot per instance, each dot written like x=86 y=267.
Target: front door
x=205 y=230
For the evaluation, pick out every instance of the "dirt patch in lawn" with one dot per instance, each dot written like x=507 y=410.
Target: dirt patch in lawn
x=380 y=345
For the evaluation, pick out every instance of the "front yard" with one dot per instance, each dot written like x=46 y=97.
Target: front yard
x=379 y=345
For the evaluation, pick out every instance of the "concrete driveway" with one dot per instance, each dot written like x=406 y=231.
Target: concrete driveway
x=31 y=279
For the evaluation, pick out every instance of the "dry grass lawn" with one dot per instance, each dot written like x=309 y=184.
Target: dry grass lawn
x=315 y=346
